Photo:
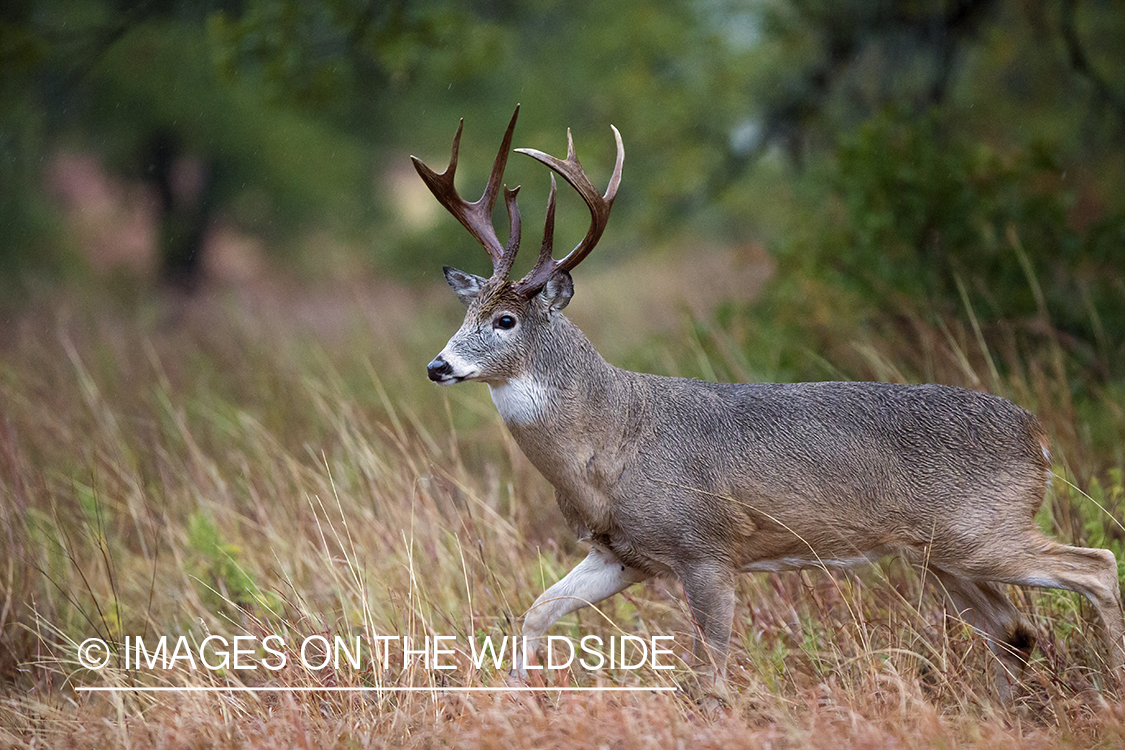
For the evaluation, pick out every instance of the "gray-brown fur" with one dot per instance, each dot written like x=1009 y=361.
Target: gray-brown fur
x=672 y=476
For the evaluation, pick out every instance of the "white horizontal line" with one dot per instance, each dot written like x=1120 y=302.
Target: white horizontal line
x=389 y=689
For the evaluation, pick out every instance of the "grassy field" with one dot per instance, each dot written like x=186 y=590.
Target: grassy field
x=271 y=460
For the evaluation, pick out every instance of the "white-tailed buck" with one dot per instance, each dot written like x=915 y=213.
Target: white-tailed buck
x=671 y=476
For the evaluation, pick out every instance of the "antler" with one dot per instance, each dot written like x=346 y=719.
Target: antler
x=572 y=172
x=477 y=216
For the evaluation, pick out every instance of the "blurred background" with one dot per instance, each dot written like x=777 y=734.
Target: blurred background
x=961 y=155
x=220 y=278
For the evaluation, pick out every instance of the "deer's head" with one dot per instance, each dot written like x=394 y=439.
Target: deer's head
x=506 y=320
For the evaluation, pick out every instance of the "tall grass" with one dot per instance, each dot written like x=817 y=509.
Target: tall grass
x=273 y=462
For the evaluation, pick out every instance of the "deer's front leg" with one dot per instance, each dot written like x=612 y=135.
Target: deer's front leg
x=709 y=588
x=599 y=576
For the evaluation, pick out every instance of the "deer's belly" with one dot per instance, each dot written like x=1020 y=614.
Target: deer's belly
x=799 y=563
x=827 y=561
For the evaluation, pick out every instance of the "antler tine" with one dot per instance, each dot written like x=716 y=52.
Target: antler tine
x=477 y=216
x=571 y=171
x=546 y=250
x=501 y=268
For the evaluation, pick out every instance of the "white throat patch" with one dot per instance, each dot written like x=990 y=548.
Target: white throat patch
x=520 y=400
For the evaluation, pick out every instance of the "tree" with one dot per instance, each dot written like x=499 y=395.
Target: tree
x=249 y=95
x=966 y=154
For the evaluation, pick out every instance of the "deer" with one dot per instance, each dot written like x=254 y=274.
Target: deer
x=701 y=481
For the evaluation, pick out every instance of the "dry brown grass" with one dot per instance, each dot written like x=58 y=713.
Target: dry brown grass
x=273 y=461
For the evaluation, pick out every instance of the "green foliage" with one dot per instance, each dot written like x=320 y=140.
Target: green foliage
x=217 y=564
x=28 y=239
x=926 y=210
x=277 y=169
x=114 y=81
x=1102 y=512
x=346 y=56
x=769 y=660
x=951 y=170
x=913 y=215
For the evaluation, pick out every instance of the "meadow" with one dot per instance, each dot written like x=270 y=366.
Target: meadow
x=220 y=287
x=269 y=458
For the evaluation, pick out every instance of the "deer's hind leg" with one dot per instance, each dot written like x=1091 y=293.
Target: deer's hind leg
x=1091 y=572
x=986 y=607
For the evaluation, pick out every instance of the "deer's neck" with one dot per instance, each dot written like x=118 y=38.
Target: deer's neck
x=565 y=379
x=565 y=412
x=561 y=405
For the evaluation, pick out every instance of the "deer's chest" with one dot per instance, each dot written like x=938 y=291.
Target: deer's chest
x=584 y=470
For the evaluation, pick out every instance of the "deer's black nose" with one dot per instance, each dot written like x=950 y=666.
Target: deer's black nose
x=438 y=369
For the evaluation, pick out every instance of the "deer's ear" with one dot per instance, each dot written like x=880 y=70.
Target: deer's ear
x=558 y=290
x=466 y=285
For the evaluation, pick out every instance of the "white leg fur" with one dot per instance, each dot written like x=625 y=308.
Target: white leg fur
x=599 y=576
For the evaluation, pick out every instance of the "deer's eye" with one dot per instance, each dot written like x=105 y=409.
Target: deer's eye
x=504 y=323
